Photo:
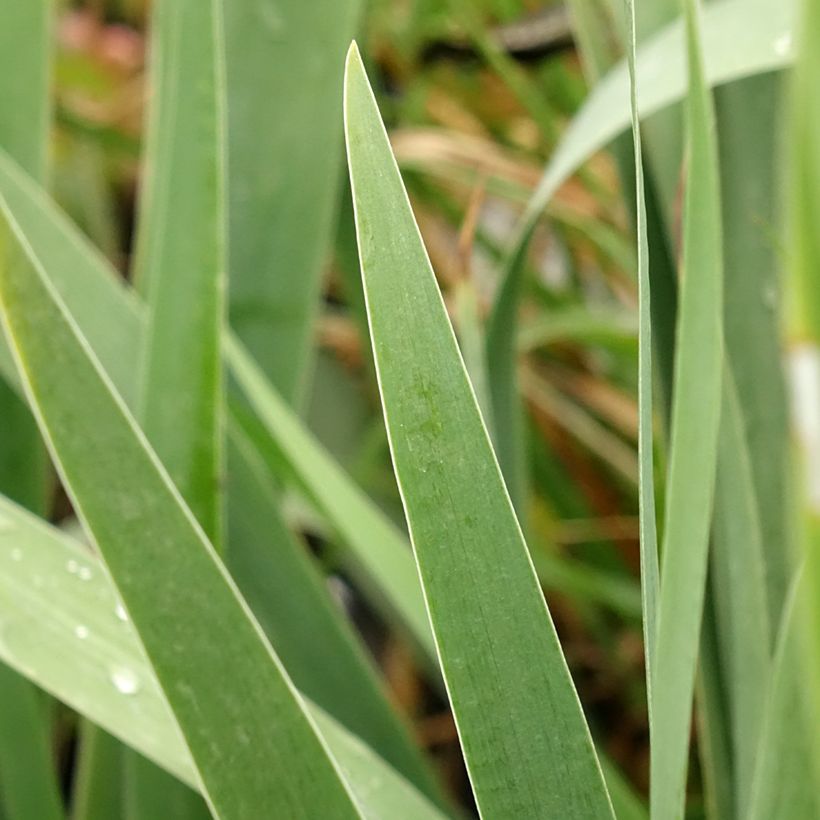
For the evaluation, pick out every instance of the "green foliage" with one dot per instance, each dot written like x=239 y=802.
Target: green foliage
x=260 y=550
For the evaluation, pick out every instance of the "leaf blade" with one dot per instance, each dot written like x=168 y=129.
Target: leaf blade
x=50 y=584
x=433 y=422
x=103 y=458
x=693 y=447
x=181 y=245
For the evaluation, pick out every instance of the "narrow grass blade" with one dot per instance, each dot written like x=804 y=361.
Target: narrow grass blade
x=750 y=193
x=25 y=96
x=181 y=264
x=269 y=565
x=379 y=555
x=785 y=784
x=713 y=718
x=470 y=330
x=50 y=586
x=739 y=589
x=693 y=449
x=28 y=780
x=285 y=168
x=97 y=789
x=803 y=323
x=650 y=575
x=181 y=254
x=525 y=740
x=188 y=613
x=502 y=363
x=662 y=132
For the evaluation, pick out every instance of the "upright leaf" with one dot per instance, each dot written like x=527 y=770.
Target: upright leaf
x=25 y=97
x=739 y=592
x=693 y=446
x=181 y=265
x=748 y=118
x=525 y=740
x=285 y=168
x=97 y=786
x=663 y=132
x=28 y=782
x=251 y=741
x=181 y=253
x=785 y=783
x=803 y=322
x=646 y=495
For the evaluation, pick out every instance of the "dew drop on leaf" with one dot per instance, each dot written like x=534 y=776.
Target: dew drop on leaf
x=124 y=680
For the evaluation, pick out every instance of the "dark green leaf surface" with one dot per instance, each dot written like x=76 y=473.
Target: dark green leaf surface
x=378 y=554
x=97 y=788
x=184 y=606
x=269 y=566
x=181 y=254
x=525 y=740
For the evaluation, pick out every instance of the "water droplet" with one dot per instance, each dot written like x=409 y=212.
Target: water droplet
x=120 y=612
x=125 y=681
x=783 y=44
x=84 y=573
x=81 y=631
x=72 y=566
x=17 y=554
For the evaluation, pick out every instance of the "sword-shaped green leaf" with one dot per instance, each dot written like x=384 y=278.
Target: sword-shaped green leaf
x=250 y=739
x=650 y=581
x=693 y=446
x=285 y=60
x=526 y=743
x=181 y=254
x=28 y=779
